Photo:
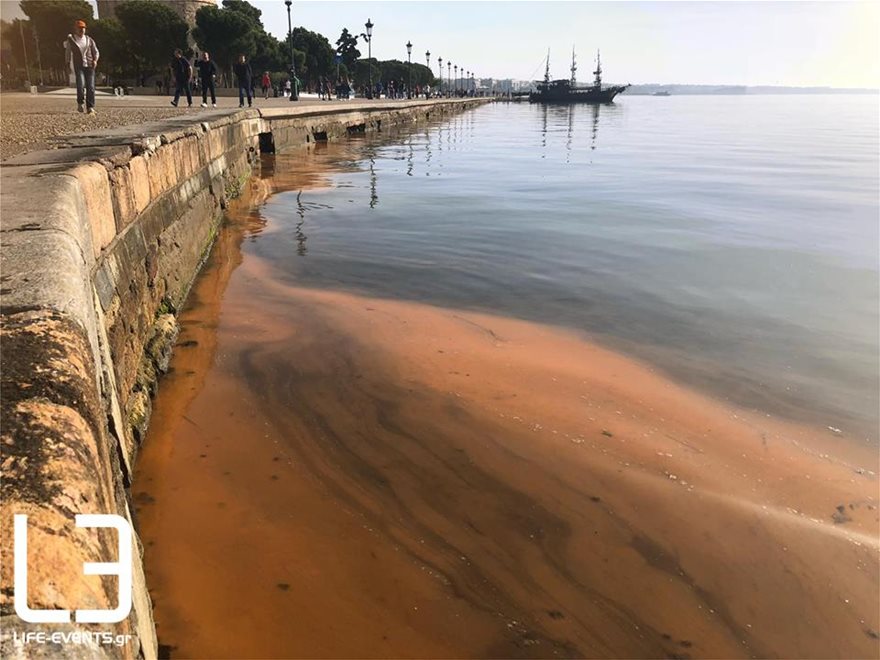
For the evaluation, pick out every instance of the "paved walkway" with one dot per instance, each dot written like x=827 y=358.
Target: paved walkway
x=28 y=122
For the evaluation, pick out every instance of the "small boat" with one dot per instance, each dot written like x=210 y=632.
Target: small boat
x=662 y=93
x=568 y=91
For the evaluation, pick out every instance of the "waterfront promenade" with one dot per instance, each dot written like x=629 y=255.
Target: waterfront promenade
x=29 y=122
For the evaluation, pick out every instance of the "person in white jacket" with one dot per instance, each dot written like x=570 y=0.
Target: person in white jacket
x=83 y=53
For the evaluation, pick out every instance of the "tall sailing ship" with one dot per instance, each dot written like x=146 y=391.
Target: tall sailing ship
x=567 y=90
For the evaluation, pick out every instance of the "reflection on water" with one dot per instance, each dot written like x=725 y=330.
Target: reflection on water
x=568 y=114
x=705 y=238
x=374 y=195
x=298 y=230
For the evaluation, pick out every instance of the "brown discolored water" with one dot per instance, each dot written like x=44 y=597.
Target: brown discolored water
x=332 y=474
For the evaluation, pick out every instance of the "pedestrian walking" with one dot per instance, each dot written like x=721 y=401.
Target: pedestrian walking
x=207 y=74
x=244 y=75
x=267 y=84
x=287 y=88
x=183 y=73
x=82 y=52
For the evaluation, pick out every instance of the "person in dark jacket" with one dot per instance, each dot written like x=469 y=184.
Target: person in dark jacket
x=207 y=73
x=245 y=76
x=183 y=74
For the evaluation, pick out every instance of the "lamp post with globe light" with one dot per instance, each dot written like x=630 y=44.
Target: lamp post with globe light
x=428 y=63
x=409 y=68
x=368 y=37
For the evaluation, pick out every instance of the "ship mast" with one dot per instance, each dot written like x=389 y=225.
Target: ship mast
x=598 y=71
x=547 y=69
x=573 y=69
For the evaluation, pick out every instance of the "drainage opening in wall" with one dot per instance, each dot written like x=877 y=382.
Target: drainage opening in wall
x=357 y=129
x=267 y=143
x=319 y=136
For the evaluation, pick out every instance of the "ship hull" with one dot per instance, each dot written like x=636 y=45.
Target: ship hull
x=592 y=95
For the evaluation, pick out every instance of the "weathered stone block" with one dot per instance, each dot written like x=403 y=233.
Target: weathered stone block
x=95 y=186
x=140 y=182
x=56 y=459
x=122 y=192
x=105 y=285
x=162 y=171
x=190 y=155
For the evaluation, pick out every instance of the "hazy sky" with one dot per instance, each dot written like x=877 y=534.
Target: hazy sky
x=743 y=43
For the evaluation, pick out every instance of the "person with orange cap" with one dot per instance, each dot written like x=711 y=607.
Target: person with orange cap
x=83 y=53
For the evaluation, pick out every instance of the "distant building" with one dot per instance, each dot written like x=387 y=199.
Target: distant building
x=506 y=85
x=186 y=9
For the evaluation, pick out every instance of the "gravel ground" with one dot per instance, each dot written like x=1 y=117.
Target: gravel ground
x=26 y=131
x=27 y=121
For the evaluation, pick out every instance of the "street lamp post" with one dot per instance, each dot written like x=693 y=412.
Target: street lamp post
x=369 y=37
x=455 y=84
x=440 y=66
x=409 y=68
x=294 y=91
x=428 y=62
x=448 y=78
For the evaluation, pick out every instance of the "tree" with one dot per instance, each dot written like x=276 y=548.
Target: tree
x=389 y=70
x=52 y=21
x=245 y=9
x=318 y=55
x=225 y=34
x=16 y=36
x=269 y=54
x=152 y=32
x=112 y=41
x=346 y=47
x=362 y=72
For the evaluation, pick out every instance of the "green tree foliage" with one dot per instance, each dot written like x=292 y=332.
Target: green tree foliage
x=225 y=34
x=237 y=29
x=246 y=9
x=52 y=21
x=152 y=32
x=395 y=70
x=422 y=75
x=347 y=48
x=112 y=41
x=269 y=54
x=318 y=60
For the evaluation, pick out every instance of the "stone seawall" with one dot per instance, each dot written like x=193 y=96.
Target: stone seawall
x=100 y=241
